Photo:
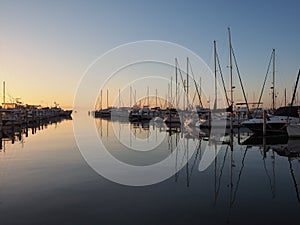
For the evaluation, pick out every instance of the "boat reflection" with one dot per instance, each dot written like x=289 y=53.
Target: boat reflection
x=230 y=150
x=290 y=149
x=283 y=146
x=258 y=140
x=11 y=134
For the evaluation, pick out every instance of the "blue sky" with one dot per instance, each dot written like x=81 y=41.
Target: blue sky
x=45 y=46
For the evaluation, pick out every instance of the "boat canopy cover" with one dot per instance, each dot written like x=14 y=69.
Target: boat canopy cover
x=288 y=111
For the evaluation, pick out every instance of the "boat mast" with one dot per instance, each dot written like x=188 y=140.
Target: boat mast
x=148 y=95
x=156 y=97
x=184 y=85
x=168 y=96
x=3 y=92
x=215 y=62
x=285 y=97
x=230 y=68
x=101 y=99
x=273 y=88
x=130 y=96
x=107 y=98
x=187 y=82
x=295 y=89
x=171 y=93
x=176 y=81
x=119 y=98
x=135 y=97
x=200 y=92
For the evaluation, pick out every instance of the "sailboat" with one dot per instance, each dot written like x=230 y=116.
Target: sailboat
x=104 y=112
x=224 y=117
x=280 y=120
x=293 y=130
x=171 y=115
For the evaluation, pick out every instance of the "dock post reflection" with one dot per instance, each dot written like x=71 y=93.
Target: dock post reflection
x=16 y=131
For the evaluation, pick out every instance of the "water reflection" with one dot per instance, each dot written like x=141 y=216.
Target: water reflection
x=11 y=134
x=283 y=147
x=248 y=182
x=246 y=162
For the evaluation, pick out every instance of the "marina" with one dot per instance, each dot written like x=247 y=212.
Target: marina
x=185 y=106
x=211 y=163
x=17 y=115
x=149 y=112
x=246 y=175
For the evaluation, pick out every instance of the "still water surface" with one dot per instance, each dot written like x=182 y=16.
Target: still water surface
x=45 y=180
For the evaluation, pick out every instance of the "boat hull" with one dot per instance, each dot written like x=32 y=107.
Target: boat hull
x=293 y=130
x=274 y=128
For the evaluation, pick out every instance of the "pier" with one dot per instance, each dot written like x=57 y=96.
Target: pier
x=15 y=117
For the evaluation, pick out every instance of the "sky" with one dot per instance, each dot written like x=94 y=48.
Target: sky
x=47 y=46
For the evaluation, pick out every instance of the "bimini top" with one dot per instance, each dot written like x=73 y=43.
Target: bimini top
x=288 y=111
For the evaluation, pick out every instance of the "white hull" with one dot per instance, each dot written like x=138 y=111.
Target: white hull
x=220 y=122
x=277 y=124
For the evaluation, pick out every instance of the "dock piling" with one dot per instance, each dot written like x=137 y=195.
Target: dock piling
x=264 y=123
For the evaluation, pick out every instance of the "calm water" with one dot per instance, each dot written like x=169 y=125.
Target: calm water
x=45 y=180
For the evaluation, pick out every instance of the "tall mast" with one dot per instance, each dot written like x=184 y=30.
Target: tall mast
x=3 y=91
x=107 y=98
x=295 y=89
x=231 y=87
x=156 y=97
x=230 y=66
x=119 y=98
x=130 y=96
x=171 y=92
x=273 y=88
x=176 y=81
x=200 y=87
x=101 y=99
x=187 y=82
x=148 y=95
x=168 y=96
x=184 y=83
x=215 y=62
x=285 y=97
x=135 y=97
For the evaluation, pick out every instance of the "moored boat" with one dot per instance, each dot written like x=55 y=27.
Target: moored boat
x=276 y=123
x=293 y=130
x=172 y=116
